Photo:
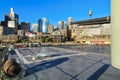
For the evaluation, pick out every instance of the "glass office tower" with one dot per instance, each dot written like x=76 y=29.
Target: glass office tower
x=43 y=25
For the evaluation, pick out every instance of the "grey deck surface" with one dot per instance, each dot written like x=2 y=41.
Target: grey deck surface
x=63 y=64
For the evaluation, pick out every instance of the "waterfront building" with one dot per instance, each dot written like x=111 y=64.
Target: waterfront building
x=43 y=25
x=57 y=36
x=21 y=33
x=93 y=29
x=36 y=38
x=98 y=29
x=102 y=29
x=8 y=38
x=78 y=30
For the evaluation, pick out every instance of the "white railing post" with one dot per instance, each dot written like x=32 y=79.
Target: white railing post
x=115 y=40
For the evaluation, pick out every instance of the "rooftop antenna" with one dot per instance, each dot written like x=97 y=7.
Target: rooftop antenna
x=90 y=13
x=11 y=10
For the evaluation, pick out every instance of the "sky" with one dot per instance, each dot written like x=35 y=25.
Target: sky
x=55 y=10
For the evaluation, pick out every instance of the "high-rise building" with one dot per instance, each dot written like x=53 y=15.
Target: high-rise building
x=35 y=28
x=4 y=28
x=25 y=26
x=50 y=28
x=70 y=20
x=43 y=25
x=62 y=26
x=1 y=30
x=19 y=27
x=12 y=19
x=11 y=23
x=40 y=25
x=106 y=29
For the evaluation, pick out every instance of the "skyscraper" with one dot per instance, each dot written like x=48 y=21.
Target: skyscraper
x=1 y=30
x=12 y=19
x=25 y=26
x=70 y=19
x=62 y=25
x=35 y=27
x=39 y=25
x=50 y=28
x=11 y=22
x=43 y=25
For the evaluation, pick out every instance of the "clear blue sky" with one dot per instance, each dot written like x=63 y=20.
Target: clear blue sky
x=54 y=10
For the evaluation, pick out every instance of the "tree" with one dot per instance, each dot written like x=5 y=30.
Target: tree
x=47 y=40
x=42 y=40
x=66 y=39
x=17 y=41
x=50 y=40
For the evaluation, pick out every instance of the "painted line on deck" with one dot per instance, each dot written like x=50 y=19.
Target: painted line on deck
x=21 y=56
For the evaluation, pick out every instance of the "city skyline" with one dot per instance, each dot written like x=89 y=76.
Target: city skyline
x=55 y=10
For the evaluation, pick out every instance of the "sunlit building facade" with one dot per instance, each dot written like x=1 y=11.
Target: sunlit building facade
x=63 y=28
x=50 y=28
x=35 y=27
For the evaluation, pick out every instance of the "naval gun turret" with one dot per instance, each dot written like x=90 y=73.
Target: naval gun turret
x=11 y=68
